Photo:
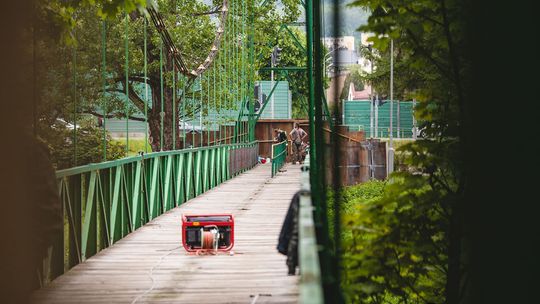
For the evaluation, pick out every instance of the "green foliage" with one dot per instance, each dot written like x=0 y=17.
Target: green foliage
x=270 y=31
x=63 y=13
x=89 y=145
x=136 y=145
x=394 y=250
x=76 y=80
x=356 y=78
x=403 y=245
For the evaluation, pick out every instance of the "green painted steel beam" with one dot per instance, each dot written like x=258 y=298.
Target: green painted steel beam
x=89 y=222
x=136 y=201
x=295 y=39
x=189 y=176
x=154 y=188
x=167 y=189
x=127 y=160
x=279 y=153
x=179 y=181
x=205 y=172
x=197 y=173
x=279 y=69
x=267 y=98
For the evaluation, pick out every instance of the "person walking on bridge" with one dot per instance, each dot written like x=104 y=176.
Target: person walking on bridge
x=281 y=135
x=297 y=138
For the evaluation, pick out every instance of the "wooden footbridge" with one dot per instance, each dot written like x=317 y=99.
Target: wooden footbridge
x=151 y=266
x=122 y=217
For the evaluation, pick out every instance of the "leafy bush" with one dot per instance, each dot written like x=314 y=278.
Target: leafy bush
x=393 y=242
x=135 y=145
x=60 y=140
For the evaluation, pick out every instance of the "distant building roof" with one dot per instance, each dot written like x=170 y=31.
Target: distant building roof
x=358 y=95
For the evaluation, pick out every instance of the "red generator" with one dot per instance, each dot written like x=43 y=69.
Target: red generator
x=208 y=232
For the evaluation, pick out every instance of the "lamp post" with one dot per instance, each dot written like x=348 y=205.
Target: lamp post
x=371 y=97
x=272 y=61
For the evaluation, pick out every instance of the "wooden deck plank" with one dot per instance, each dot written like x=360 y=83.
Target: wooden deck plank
x=151 y=266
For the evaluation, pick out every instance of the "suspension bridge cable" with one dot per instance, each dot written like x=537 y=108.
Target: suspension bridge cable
x=184 y=99
x=74 y=67
x=214 y=98
x=193 y=116
x=244 y=89
x=126 y=43
x=161 y=114
x=233 y=66
x=173 y=108
x=104 y=85
x=208 y=120
x=223 y=83
x=201 y=110
x=145 y=87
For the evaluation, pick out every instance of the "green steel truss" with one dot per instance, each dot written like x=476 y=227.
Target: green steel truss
x=104 y=202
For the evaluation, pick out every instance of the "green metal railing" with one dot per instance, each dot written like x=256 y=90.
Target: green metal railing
x=279 y=153
x=308 y=255
x=104 y=202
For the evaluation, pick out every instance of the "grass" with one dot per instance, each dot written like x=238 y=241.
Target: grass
x=396 y=143
x=135 y=145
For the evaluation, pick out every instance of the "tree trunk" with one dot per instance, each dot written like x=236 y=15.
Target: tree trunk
x=170 y=122
x=163 y=141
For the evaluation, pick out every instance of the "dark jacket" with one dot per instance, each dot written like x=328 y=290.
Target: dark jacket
x=288 y=237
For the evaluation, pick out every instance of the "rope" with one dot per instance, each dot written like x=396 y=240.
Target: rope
x=208 y=240
x=341 y=135
x=152 y=273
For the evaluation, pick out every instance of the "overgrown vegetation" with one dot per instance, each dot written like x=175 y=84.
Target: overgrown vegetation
x=136 y=145
x=60 y=139
x=409 y=245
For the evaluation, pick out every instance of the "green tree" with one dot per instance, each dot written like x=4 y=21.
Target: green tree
x=292 y=41
x=414 y=247
x=354 y=77
x=194 y=28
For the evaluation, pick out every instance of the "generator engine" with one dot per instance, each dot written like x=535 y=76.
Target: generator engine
x=213 y=232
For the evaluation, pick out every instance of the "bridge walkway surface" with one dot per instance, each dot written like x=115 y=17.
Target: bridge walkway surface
x=151 y=266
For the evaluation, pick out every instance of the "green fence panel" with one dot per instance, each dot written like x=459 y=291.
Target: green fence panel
x=357 y=115
x=279 y=153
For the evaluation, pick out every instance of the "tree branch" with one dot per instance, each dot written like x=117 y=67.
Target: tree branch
x=214 y=11
x=136 y=100
x=136 y=78
x=424 y=52
x=111 y=115
x=408 y=9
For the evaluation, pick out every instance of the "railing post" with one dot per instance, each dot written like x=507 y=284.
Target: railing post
x=308 y=255
x=278 y=156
